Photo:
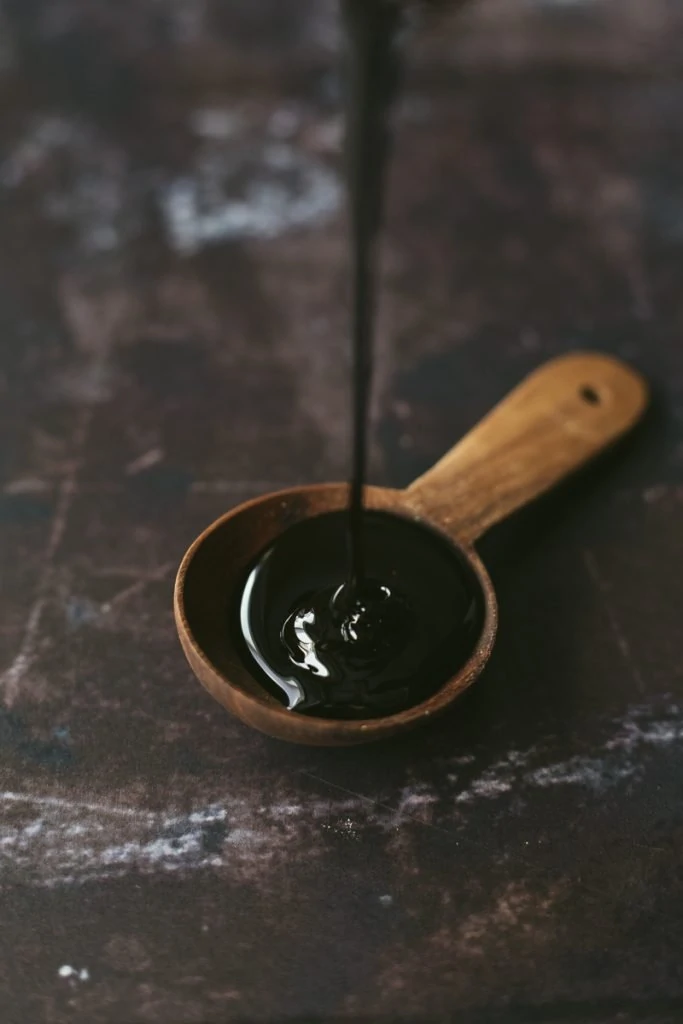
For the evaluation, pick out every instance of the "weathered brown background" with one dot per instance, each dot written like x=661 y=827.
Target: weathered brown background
x=167 y=352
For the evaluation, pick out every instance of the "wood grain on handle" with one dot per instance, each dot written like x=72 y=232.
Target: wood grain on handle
x=558 y=418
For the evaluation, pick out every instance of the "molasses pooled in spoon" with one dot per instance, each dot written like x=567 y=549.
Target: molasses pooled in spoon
x=387 y=644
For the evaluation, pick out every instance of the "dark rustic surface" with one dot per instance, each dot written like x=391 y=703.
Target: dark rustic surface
x=166 y=355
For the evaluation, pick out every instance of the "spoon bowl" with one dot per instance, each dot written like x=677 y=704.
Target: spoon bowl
x=210 y=583
x=560 y=417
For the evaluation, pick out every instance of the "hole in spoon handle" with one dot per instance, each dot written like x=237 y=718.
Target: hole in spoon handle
x=561 y=416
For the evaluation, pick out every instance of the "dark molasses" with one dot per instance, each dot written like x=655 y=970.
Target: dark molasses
x=372 y=29
x=412 y=623
x=357 y=614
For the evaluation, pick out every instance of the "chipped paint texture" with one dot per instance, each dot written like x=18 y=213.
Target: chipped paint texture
x=52 y=840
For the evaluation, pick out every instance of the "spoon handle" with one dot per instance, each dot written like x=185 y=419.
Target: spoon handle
x=559 y=417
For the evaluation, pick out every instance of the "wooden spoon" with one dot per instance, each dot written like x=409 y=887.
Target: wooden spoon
x=557 y=419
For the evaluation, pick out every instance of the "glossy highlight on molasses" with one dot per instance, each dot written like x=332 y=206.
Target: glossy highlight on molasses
x=408 y=628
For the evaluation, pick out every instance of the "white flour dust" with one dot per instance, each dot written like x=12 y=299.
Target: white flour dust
x=84 y=182
x=74 y=973
x=257 y=191
x=614 y=762
x=244 y=180
x=248 y=179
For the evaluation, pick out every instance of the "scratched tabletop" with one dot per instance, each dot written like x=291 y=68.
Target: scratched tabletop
x=174 y=340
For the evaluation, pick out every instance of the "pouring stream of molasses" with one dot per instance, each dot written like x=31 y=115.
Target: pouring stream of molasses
x=372 y=77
